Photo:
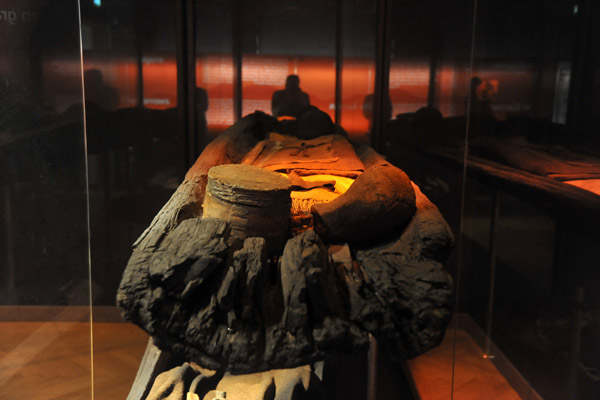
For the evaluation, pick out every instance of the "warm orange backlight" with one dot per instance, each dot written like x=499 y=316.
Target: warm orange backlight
x=264 y=74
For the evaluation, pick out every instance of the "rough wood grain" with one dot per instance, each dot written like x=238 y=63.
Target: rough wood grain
x=228 y=148
x=380 y=200
x=409 y=280
x=231 y=308
x=254 y=200
x=370 y=157
x=241 y=315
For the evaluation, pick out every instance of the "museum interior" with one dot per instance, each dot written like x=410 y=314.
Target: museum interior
x=317 y=199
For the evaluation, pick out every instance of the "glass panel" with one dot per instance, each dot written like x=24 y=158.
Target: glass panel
x=283 y=38
x=359 y=19
x=530 y=278
x=429 y=48
x=44 y=241
x=134 y=146
x=136 y=159
x=214 y=69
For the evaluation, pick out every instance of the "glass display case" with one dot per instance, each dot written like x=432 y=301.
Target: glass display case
x=489 y=107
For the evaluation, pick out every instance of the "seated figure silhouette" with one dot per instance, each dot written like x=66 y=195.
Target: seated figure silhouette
x=201 y=97
x=291 y=101
x=480 y=97
x=99 y=94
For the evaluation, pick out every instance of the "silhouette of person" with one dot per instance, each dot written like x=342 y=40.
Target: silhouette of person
x=97 y=93
x=368 y=105
x=368 y=109
x=481 y=117
x=480 y=97
x=291 y=101
x=201 y=97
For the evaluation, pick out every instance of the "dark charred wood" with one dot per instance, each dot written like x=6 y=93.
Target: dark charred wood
x=254 y=200
x=233 y=308
x=228 y=148
x=380 y=200
x=370 y=157
x=409 y=281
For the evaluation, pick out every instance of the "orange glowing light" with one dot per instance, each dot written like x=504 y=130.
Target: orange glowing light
x=302 y=201
x=263 y=74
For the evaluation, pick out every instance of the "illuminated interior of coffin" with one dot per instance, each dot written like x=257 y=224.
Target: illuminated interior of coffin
x=318 y=170
x=303 y=200
x=374 y=267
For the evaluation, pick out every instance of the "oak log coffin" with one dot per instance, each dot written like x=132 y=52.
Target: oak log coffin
x=243 y=307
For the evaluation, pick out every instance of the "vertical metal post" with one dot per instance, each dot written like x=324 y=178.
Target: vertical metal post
x=436 y=49
x=106 y=161
x=372 y=369
x=339 y=57
x=182 y=89
x=186 y=76
x=194 y=140
x=382 y=73
x=492 y=259
x=139 y=54
x=237 y=20
x=11 y=292
x=576 y=325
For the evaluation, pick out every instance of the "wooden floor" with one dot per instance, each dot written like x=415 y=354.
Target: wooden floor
x=475 y=377
x=52 y=361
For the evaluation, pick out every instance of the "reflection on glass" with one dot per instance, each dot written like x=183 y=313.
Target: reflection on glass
x=263 y=76
x=358 y=75
x=529 y=290
x=44 y=254
x=214 y=66
x=133 y=143
x=136 y=157
x=524 y=108
x=290 y=101
x=215 y=75
x=288 y=39
x=425 y=105
x=43 y=160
